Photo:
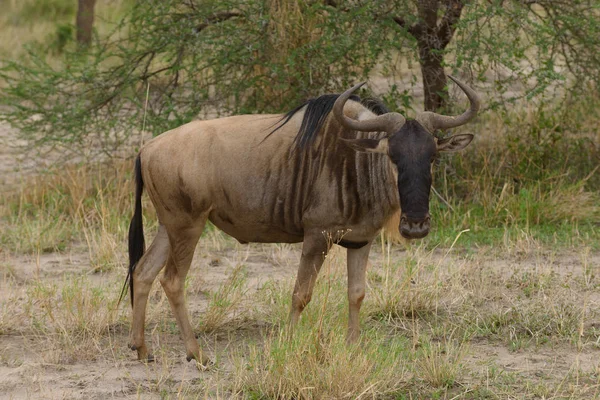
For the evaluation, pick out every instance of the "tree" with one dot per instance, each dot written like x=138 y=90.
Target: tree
x=433 y=34
x=84 y=21
x=509 y=37
x=209 y=57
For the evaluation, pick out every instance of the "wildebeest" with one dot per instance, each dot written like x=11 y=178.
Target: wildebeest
x=329 y=171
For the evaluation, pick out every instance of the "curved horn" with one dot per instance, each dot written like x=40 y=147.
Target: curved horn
x=390 y=122
x=434 y=121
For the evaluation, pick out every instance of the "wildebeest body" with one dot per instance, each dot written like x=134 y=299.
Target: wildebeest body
x=330 y=171
x=259 y=190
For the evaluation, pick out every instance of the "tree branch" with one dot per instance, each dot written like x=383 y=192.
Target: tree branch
x=428 y=10
x=416 y=30
x=219 y=17
x=447 y=26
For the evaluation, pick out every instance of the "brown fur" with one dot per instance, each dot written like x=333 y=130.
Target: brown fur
x=260 y=185
x=259 y=190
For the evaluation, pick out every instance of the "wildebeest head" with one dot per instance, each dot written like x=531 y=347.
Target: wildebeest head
x=412 y=147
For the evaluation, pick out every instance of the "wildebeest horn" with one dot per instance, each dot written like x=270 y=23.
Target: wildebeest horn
x=433 y=121
x=390 y=122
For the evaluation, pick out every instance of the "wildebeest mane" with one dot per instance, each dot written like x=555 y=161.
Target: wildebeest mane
x=317 y=110
x=375 y=105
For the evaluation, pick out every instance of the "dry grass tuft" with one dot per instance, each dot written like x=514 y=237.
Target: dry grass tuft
x=89 y=203
x=417 y=287
x=71 y=318
x=314 y=366
x=441 y=365
x=224 y=301
x=572 y=203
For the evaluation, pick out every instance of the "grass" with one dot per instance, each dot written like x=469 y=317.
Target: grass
x=530 y=173
x=419 y=354
x=428 y=319
x=89 y=204
x=70 y=318
x=441 y=365
x=224 y=301
x=316 y=363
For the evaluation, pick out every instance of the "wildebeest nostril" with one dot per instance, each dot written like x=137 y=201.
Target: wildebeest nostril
x=414 y=229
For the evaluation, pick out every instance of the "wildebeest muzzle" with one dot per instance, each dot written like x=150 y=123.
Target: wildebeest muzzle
x=414 y=228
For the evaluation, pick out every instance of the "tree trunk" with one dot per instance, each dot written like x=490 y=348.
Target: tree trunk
x=434 y=77
x=432 y=38
x=85 y=21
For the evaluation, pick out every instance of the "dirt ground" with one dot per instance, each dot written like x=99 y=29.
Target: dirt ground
x=30 y=369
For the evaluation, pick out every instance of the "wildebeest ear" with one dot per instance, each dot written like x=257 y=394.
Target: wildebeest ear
x=454 y=143
x=368 y=145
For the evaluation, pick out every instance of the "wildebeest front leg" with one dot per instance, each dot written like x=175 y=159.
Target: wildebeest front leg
x=145 y=273
x=314 y=250
x=183 y=243
x=357 y=267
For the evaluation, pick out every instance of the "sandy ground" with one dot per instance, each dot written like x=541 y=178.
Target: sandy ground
x=27 y=369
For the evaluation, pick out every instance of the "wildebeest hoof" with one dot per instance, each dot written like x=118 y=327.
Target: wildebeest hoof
x=202 y=364
x=146 y=358
x=142 y=353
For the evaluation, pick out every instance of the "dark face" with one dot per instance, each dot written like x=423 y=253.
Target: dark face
x=412 y=150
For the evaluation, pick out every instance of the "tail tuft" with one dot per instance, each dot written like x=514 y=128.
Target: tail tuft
x=136 y=231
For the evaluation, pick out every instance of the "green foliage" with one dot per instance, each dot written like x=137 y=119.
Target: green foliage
x=538 y=174
x=530 y=48
x=64 y=35
x=168 y=62
x=190 y=60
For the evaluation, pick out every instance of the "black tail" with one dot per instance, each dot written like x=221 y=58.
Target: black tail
x=136 y=231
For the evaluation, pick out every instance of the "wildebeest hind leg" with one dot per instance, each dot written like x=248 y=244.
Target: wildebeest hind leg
x=357 y=267
x=183 y=243
x=144 y=274
x=314 y=250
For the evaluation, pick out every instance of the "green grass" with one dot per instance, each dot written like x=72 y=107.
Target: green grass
x=316 y=363
x=447 y=225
